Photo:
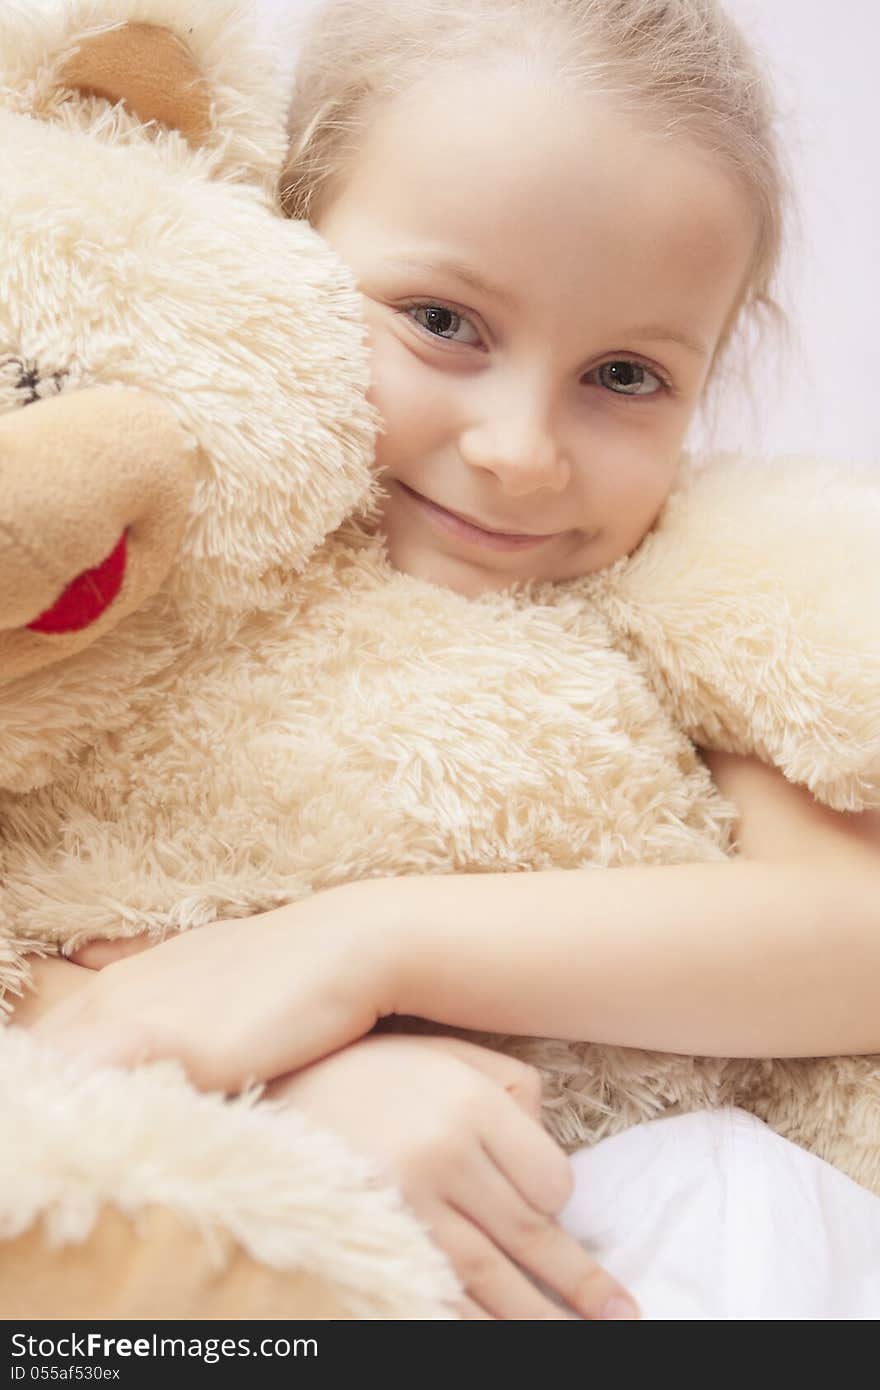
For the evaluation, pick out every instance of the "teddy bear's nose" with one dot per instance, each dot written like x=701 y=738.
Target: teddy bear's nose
x=95 y=488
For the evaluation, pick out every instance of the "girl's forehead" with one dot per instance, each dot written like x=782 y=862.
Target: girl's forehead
x=508 y=150
x=533 y=188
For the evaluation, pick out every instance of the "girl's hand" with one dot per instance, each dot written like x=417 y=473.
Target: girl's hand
x=457 y=1128
x=236 y=1002
x=54 y=979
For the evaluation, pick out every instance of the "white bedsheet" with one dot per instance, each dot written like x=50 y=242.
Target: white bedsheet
x=713 y=1216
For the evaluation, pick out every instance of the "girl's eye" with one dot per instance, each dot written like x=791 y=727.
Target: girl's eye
x=441 y=322
x=622 y=376
x=627 y=378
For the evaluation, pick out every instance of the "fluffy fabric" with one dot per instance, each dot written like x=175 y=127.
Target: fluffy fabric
x=284 y=713
x=759 y=627
x=378 y=725
x=246 y=1177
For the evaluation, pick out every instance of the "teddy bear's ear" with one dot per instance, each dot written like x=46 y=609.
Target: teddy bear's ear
x=150 y=70
x=217 y=72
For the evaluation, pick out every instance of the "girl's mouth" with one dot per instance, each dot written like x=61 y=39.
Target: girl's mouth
x=454 y=524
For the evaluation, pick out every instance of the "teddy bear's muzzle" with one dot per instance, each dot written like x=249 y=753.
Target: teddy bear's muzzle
x=95 y=491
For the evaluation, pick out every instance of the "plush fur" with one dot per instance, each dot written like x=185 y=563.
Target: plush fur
x=254 y=1182
x=287 y=714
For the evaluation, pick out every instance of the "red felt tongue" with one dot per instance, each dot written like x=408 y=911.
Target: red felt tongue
x=83 y=601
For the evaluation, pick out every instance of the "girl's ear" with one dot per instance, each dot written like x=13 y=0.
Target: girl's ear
x=150 y=70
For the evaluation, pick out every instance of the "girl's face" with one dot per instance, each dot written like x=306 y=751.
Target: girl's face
x=545 y=286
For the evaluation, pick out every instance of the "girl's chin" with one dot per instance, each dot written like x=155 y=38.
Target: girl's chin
x=463 y=576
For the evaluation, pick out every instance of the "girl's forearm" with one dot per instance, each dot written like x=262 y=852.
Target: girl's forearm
x=739 y=959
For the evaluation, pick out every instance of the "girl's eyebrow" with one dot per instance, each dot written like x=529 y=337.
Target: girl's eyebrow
x=658 y=333
x=450 y=265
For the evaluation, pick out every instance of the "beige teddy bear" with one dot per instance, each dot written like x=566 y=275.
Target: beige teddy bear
x=317 y=718
x=182 y=421
x=376 y=725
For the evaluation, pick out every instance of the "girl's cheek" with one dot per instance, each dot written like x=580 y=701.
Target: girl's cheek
x=411 y=403
x=633 y=488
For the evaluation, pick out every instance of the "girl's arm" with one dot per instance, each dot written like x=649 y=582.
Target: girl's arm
x=776 y=953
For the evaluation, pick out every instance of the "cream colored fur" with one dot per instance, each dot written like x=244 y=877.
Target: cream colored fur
x=378 y=725
x=242 y=1174
x=285 y=717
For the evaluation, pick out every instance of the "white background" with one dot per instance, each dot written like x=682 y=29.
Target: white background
x=823 y=58
x=825 y=396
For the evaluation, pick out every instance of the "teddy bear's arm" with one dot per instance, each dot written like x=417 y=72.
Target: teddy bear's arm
x=754 y=608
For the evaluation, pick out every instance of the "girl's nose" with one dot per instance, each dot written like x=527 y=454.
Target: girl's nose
x=520 y=448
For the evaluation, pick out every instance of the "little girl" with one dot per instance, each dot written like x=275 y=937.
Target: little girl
x=558 y=214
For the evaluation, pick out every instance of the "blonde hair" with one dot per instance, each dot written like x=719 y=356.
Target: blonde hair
x=680 y=67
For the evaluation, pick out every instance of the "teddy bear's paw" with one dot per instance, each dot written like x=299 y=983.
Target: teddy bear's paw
x=754 y=608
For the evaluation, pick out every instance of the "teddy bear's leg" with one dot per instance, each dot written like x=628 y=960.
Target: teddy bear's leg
x=151 y=1268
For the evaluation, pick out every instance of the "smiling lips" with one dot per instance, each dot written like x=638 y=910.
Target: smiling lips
x=458 y=525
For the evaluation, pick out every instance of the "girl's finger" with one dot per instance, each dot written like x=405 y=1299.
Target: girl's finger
x=490 y=1279
x=472 y=1312
x=61 y=1017
x=526 y=1155
x=90 y=1046
x=539 y=1245
x=521 y=1081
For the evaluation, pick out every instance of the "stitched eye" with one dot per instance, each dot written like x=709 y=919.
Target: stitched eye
x=23 y=382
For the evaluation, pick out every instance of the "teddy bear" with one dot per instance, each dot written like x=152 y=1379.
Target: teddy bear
x=183 y=420
x=324 y=719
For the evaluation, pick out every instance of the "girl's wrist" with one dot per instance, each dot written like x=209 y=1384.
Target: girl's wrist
x=405 y=937
x=379 y=917
x=364 y=924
